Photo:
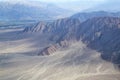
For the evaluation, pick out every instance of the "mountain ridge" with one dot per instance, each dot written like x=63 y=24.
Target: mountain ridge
x=92 y=32
x=31 y=11
x=83 y=16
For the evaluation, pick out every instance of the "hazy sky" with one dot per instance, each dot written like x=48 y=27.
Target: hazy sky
x=80 y=5
x=61 y=1
x=42 y=0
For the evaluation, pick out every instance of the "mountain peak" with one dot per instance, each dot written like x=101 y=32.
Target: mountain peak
x=30 y=10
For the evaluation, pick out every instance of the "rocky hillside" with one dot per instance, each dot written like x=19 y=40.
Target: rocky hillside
x=59 y=30
x=100 y=33
x=39 y=27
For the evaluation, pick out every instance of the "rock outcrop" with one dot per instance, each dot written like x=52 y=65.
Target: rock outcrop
x=53 y=48
x=39 y=27
x=49 y=50
x=100 y=33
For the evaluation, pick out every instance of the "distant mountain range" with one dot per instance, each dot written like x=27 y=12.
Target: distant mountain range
x=31 y=10
x=87 y=15
x=109 y=5
x=97 y=31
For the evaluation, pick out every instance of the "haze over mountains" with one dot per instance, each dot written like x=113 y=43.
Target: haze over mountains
x=53 y=44
x=107 y=5
x=87 y=15
x=41 y=10
x=31 y=10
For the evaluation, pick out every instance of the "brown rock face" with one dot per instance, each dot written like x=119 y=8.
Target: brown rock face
x=53 y=48
x=39 y=27
x=49 y=50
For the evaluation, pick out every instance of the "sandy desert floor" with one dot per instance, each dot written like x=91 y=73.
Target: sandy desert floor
x=18 y=60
